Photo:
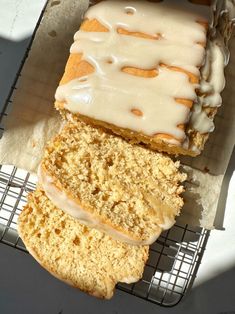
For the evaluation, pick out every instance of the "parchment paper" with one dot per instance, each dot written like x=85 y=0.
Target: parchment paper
x=33 y=121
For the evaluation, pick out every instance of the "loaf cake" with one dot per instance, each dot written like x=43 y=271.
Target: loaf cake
x=125 y=190
x=147 y=71
x=83 y=257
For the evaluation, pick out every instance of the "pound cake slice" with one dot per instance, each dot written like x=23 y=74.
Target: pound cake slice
x=125 y=190
x=83 y=257
x=147 y=71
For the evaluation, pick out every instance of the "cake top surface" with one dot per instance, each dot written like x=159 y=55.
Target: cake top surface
x=166 y=40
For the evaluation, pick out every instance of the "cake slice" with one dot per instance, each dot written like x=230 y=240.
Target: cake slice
x=125 y=190
x=147 y=71
x=83 y=257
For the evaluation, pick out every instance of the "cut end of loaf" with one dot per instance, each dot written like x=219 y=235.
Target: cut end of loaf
x=156 y=143
x=77 y=66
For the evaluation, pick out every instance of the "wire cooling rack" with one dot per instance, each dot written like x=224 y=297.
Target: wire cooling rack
x=174 y=257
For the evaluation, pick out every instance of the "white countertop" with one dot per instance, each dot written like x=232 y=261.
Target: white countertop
x=213 y=290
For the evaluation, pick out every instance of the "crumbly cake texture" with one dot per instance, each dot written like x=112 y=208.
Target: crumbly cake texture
x=82 y=257
x=128 y=188
x=77 y=67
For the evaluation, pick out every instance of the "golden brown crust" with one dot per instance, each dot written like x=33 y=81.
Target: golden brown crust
x=154 y=143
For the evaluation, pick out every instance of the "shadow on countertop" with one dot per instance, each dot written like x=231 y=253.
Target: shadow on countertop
x=26 y=288
x=11 y=55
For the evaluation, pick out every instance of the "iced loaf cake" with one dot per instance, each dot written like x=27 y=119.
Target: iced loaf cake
x=146 y=71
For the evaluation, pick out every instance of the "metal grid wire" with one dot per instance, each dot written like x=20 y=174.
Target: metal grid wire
x=14 y=187
x=172 y=266
x=174 y=258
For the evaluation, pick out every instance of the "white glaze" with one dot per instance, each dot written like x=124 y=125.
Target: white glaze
x=129 y=280
x=98 y=99
x=200 y=121
x=212 y=83
x=69 y=206
x=215 y=82
x=175 y=20
x=109 y=95
x=168 y=223
x=125 y=53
